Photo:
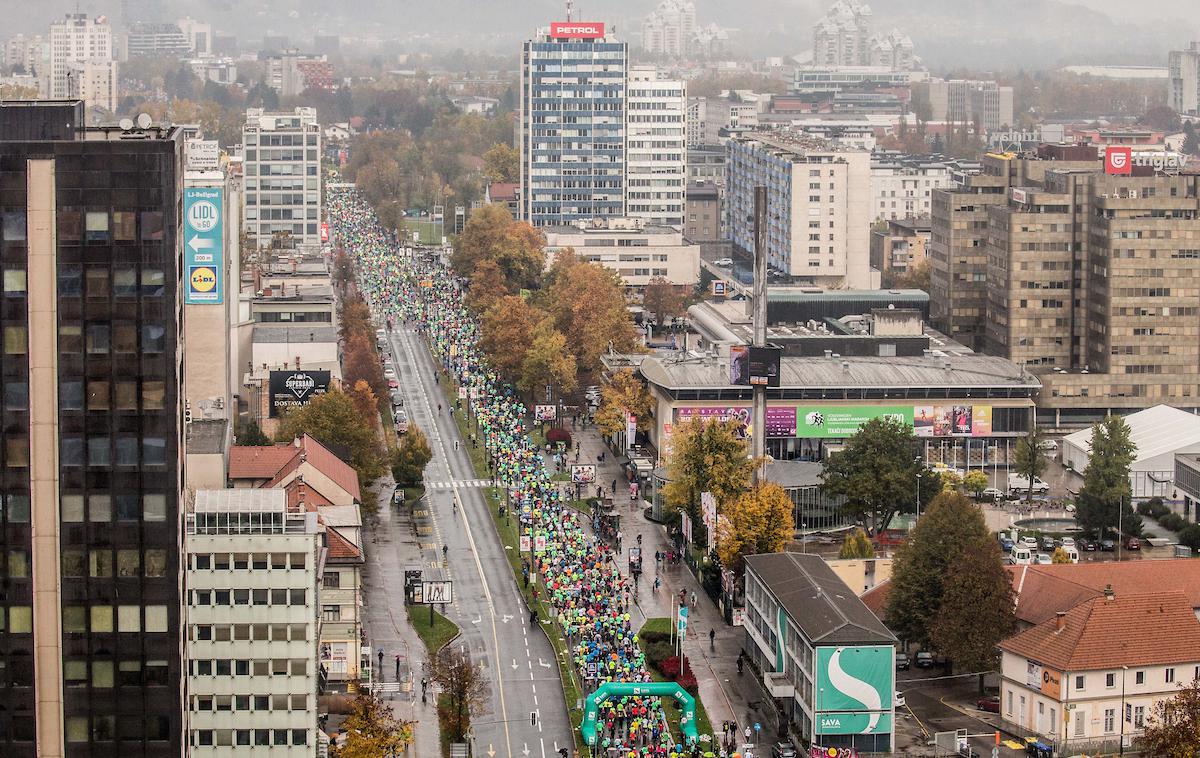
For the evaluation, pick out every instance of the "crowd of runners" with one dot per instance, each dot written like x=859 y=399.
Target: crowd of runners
x=587 y=594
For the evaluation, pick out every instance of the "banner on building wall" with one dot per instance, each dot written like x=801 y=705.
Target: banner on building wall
x=293 y=389
x=952 y=420
x=203 y=245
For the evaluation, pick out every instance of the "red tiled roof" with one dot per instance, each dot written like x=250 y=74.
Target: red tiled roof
x=320 y=458
x=1136 y=630
x=500 y=192
x=876 y=598
x=339 y=547
x=259 y=462
x=1042 y=591
x=312 y=498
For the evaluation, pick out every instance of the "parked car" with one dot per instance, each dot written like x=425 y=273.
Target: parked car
x=925 y=660
x=899 y=699
x=1006 y=544
x=1048 y=543
x=402 y=422
x=991 y=494
x=1018 y=483
x=1108 y=546
x=380 y=335
x=1068 y=542
x=902 y=662
x=783 y=749
x=1133 y=543
x=991 y=704
x=393 y=384
x=1030 y=542
x=723 y=262
x=398 y=496
x=1085 y=545
x=389 y=373
x=1044 y=559
x=397 y=400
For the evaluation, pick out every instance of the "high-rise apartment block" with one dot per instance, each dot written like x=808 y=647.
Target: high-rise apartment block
x=656 y=157
x=156 y=39
x=282 y=165
x=818 y=197
x=573 y=125
x=669 y=29
x=902 y=185
x=1183 y=79
x=842 y=37
x=80 y=45
x=965 y=101
x=251 y=570
x=90 y=475
x=1087 y=277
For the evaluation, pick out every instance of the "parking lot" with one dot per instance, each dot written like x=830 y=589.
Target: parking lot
x=936 y=703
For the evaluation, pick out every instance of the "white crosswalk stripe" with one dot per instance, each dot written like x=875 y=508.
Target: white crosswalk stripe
x=443 y=485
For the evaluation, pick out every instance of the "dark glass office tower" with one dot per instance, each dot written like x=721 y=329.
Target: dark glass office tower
x=89 y=444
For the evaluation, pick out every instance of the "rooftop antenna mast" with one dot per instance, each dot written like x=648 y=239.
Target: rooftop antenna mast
x=570 y=10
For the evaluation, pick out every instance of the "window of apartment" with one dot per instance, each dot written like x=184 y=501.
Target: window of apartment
x=1110 y=680
x=331 y=613
x=332 y=580
x=1009 y=703
x=1139 y=716
x=1079 y=682
x=14 y=282
x=16 y=340
x=1170 y=675
x=1139 y=677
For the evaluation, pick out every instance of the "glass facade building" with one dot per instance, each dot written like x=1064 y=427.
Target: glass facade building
x=573 y=129
x=89 y=461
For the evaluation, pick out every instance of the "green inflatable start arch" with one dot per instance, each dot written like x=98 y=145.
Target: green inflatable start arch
x=687 y=705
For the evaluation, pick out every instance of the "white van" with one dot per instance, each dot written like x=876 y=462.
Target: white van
x=1020 y=555
x=1072 y=553
x=1018 y=483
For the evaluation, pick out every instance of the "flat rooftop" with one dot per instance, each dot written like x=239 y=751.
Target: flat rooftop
x=294 y=334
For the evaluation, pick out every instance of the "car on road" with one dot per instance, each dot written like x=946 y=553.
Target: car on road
x=991 y=704
x=1044 y=559
x=398 y=496
x=1068 y=542
x=899 y=699
x=925 y=660
x=723 y=262
x=1006 y=544
x=389 y=372
x=401 y=422
x=783 y=749
x=902 y=662
x=397 y=400
x=1086 y=545
x=393 y=384
x=380 y=335
x=1133 y=543
x=1108 y=546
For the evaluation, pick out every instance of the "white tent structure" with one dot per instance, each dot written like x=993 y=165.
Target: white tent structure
x=1159 y=433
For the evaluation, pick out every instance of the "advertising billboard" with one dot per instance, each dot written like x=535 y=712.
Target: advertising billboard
x=577 y=30
x=952 y=420
x=292 y=389
x=844 y=421
x=203 y=245
x=545 y=412
x=1046 y=680
x=854 y=689
x=1118 y=161
x=583 y=473
x=757 y=366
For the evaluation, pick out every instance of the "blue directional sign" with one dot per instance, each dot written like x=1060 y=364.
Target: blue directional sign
x=203 y=245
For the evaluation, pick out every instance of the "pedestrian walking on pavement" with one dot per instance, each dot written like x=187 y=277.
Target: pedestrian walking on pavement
x=693 y=600
x=381 y=664
x=712 y=639
x=397 y=668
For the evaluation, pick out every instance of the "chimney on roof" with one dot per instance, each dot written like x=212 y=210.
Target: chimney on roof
x=1108 y=593
x=1060 y=620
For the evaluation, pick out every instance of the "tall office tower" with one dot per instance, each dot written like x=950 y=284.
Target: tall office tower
x=251 y=563
x=282 y=159
x=90 y=478
x=656 y=158
x=74 y=41
x=819 y=206
x=1183 y=79
x=958 y=245
x=669 y=29
x=573 y=103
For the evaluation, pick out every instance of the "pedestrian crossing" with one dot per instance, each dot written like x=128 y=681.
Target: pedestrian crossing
x=460 y=483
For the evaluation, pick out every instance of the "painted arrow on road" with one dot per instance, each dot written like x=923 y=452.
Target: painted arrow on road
x=491 y=751
x=526 y=750
x=477 y=620
x=514 y=664
x=543 y=664
x=505 y=618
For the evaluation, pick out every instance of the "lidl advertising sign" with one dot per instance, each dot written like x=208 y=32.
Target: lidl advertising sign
x=855 y=689
x=203 y=245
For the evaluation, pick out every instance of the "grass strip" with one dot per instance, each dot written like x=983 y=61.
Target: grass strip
x=434 y=638
x=662 y=625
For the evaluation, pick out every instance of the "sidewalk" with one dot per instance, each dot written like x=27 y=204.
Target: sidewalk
x=390 y=544
x=726 y=696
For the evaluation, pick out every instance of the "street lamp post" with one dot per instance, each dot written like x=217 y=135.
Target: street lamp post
x=1121 y=715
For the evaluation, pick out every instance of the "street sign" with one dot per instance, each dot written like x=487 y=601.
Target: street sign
x=462 y=393
x=437 y=592
x=525 y=543
x=203 y=245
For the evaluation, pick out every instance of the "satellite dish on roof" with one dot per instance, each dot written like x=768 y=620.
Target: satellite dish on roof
x=126 y=124
x=144 y=121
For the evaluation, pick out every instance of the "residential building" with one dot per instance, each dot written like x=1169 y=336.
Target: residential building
x=198 y=35
x=282 y=164
x=805 y=630
x=820 y=401
x=573 y=113
x=656 y=153
x=817 y=203
x=634 y=249
x=94 y=82
x=1183 y=80
x=30 y=53
x=835 y=78
x=253 y=562
x=965 y=101
x=292 y=74
x=92 y=462
x=713 y=120
x=900 y=246
x=74 y=41
x=217 y=70
x=669 y=29
x=902 y=185
x=841 y=36
x=704 y=214
x=507 y=194
x=706 y=165
x=156 y=39
x=1089 y=679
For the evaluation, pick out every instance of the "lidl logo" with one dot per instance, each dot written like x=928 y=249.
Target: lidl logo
x=202 y=215
x=203 y=279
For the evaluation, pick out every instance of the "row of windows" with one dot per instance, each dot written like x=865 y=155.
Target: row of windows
x=78 y=619
x=248 y=597
x=260 y=737
x=104 y=674
x=108 y=728
x=279 y=140
x=247 y=632
x=244 y=561
x=243 y=667
x=99 y=563
x=250 y=703
x=105 y=451
x=91 y=226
